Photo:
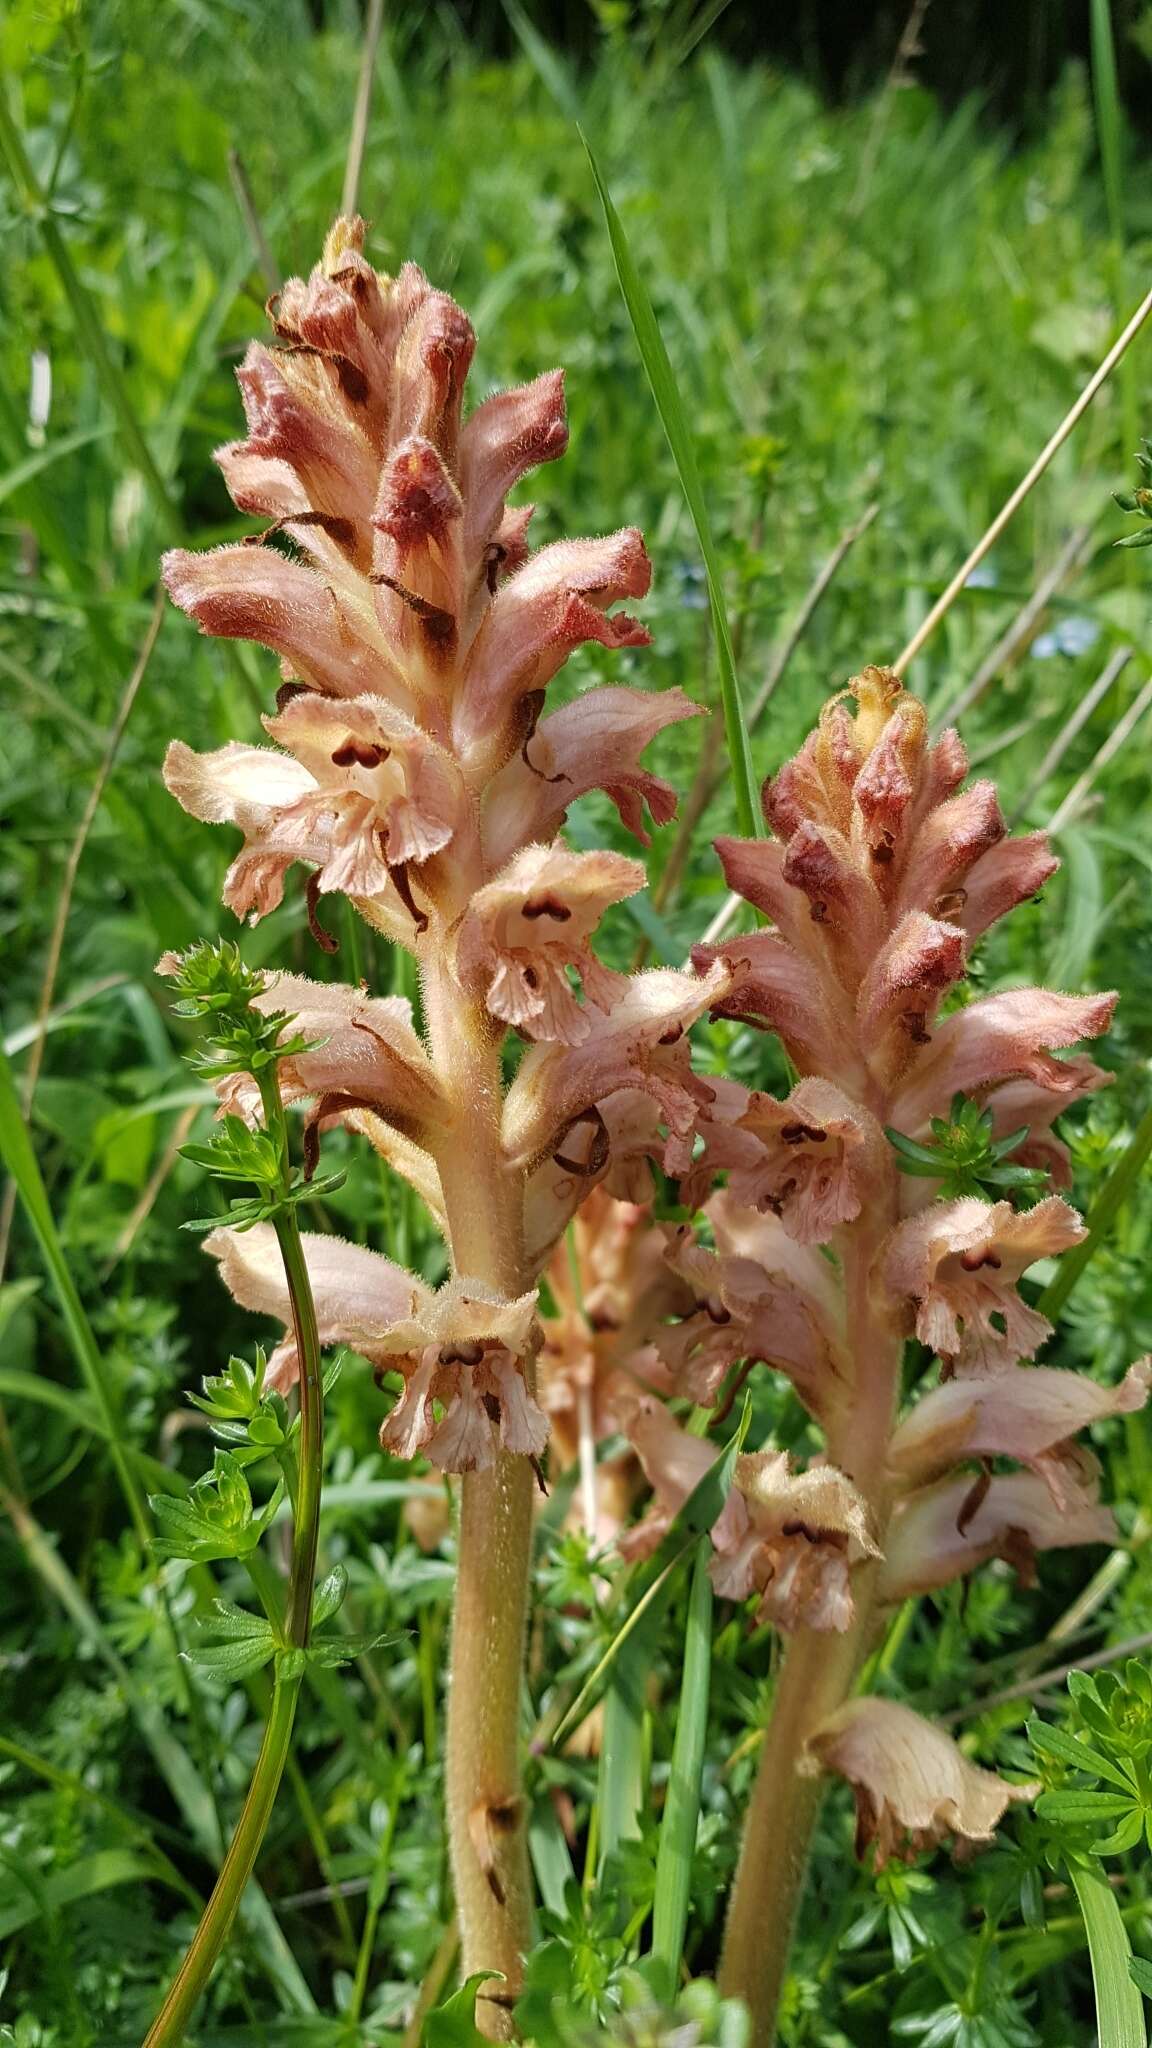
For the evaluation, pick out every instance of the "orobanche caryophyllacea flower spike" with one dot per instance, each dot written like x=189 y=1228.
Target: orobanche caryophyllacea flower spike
x=414 y=769
x=873 y=1204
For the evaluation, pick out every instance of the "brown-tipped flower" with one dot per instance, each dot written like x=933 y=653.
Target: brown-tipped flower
x=943 y=1532
x=958 y=1264
x=358 y=1295
x=913 y=1786
x=524 y=930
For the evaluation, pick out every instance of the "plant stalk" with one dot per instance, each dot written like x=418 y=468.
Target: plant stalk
x=487 y=1821
x=184 y=1994
x=820 y=1668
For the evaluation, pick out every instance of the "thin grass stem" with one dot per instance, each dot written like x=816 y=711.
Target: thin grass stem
x=361 y=113
x=1012 y=504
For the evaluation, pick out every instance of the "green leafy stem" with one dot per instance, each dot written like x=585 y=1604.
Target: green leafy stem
x=218 y=1518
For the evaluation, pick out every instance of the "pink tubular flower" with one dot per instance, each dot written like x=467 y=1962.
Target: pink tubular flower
x=413 y=772
x=594 y=1350
x=417 y=634
x=791 y=1538
x=913 y=1787
x=805 y=1532
x=674 y=1463
x=364 y=1054
x=358 y=1294
x=640 y=1045
x=881 y=872
x=1027 y=1413
x=525 y=929
x=759 y=1297
x=464 y=1349
x=959 y=1262
x=815 y=1154
x=942 y=1532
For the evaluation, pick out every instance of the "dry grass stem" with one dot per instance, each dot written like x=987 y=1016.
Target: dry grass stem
x=64 y=900
x=1072 y=726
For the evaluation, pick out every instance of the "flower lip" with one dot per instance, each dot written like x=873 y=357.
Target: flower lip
x=913 y=1786
x=524 y=930
x=959 y=1262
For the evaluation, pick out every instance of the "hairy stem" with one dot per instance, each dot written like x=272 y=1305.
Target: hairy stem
x=204 y=1949
x=818 y=1674
x=487 y=1823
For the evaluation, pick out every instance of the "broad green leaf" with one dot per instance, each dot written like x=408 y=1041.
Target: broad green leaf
x=235 y=1622
x=1124 y=1837
x=233 y=1660
x=453 y=2025
x=1140 y=1972
x=51 y=1892
x=1076 y=1809
x=329 y=1595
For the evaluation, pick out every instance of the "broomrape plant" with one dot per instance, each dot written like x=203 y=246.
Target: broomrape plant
x=417 y=771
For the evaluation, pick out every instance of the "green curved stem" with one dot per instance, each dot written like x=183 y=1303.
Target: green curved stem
x=209 y=1938
x=191 y=1979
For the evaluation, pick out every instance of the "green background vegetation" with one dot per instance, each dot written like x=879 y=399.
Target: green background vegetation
x=881 y=304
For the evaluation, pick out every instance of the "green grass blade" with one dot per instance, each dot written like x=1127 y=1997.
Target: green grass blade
x=621 y=1782
x=1119 y=2007
x=551 y=1860
x=23 y=472
x=1084 y=910
x=18 y=1156
x=79 y=1411
x=652 y=1579
x=81 y=1880
x=188 y=1789
x=674 y=420
x=86 y=319
x=548 y=66
x=682 y=1808
x=1109 y=117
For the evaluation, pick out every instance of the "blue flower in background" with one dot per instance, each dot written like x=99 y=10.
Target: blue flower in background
x=1074 y=635
x=985 y=576
x=693 y=587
